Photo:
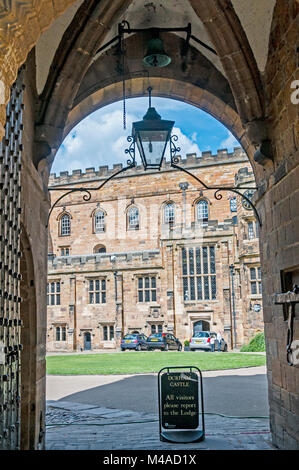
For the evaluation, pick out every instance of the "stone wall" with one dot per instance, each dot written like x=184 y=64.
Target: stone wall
x=154 y=249
x=280 y=232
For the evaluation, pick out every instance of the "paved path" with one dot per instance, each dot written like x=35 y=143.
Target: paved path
x=118 y=412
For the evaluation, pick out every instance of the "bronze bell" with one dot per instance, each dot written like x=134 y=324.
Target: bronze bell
x=155 y=55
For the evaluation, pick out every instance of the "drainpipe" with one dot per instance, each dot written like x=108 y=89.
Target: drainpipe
x=173 y=293
x=233 y=303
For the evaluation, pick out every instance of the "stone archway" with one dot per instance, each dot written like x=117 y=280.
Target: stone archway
x=163 y=87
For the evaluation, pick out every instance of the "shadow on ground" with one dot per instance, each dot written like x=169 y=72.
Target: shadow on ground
x=229 y=395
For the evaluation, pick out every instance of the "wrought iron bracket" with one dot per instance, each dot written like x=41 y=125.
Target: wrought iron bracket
x=290 y=299
x=125 y=28
x=174 y=163
x=87 y=196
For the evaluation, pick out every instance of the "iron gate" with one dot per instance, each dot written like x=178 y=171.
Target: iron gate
x=10 y=322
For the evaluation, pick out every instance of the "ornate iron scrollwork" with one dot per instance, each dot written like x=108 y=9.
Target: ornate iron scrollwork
x=174 y=149
x=86 y=197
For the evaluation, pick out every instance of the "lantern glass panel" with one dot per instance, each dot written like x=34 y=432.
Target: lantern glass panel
x=151 y=146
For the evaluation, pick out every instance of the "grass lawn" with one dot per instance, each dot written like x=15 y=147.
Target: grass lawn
x=139 y=362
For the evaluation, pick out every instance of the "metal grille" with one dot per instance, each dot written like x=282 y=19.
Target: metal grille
x=10 y=322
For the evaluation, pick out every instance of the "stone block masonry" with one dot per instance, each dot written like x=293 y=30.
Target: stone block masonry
x=169 y=272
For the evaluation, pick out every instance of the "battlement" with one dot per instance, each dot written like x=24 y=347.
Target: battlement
x=105 y=261
x=191 y=160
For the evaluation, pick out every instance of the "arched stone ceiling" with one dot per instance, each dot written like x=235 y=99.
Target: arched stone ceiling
x=193 y=68
x=255 y=17
x=49 y=42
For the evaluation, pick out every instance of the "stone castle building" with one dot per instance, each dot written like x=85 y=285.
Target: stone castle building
x=154 y=252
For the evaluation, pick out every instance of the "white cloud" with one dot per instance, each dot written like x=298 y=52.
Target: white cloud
x=230 y=142
x=100 y=139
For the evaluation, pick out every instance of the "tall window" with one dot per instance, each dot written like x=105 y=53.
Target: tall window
x=202 y=211
x=199 y=273
x=147 y=289
x=133 y=218
x=60 y=333
x=65 y=225
x=97 y=291
x=169 y=213
x=233 y=204
x=251 y=233
x=53 y=293
x=255 y=281
x=99 y=221
x=108 y=332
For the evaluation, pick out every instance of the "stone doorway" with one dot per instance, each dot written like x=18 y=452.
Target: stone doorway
x=201 y=325
x=87 y=341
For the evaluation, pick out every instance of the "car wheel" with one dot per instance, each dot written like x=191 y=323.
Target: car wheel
x=166 y=348
x=225 y=348
x=179 y=347
x=191 y=349
x=138 y=348
x=122 y=349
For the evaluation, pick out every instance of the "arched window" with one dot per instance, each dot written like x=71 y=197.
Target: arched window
x=202 y=211
x=133 y=218
x=99 y=221
x=169 y=213
x=99 y=249
x=65 y=225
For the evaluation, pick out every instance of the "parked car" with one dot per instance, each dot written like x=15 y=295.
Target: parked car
x=202 y=340
x=163 y=341
x=134 y=341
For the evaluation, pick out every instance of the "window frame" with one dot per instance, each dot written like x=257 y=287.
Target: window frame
x=167 y=217
x=198 y=204
x=97 y=295
x=147 y=294
x=130 y=225
x=199 y=276
x=63 y=217
x=96 y=229
x=106 y=332
x=53 y=295
x=255 y=281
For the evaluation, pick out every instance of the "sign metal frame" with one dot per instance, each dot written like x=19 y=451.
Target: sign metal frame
x=182 y=434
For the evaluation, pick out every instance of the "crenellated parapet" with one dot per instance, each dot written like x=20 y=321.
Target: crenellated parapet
x=192 y=160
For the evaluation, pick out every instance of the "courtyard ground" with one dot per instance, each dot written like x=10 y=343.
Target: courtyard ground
x=120 y=412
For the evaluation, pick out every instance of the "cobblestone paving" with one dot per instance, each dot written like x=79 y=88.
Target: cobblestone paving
x=76 y=426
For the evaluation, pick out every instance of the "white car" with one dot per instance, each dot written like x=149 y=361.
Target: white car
x=202 y=340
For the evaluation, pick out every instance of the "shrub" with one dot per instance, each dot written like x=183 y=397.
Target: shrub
x=186 y=342
x=256 y=344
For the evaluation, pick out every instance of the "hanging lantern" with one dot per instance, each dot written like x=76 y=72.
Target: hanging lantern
x=152 y=135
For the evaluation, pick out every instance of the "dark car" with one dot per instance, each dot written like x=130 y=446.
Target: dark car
x=163 y=341
x=134 y=341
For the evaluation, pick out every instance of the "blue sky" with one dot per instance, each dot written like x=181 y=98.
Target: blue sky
x=100 y=138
